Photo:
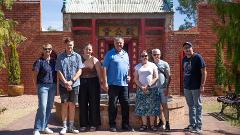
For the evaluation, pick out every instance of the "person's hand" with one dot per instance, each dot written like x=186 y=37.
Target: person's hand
x=69 y=88
x=105 y=86
x=166 y=92
x=128 y=78
x=70 y=83
x=201 y=88
x=145 y=89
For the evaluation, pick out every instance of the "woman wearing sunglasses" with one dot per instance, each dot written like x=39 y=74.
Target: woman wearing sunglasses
x=147 y=103
x=45 y=80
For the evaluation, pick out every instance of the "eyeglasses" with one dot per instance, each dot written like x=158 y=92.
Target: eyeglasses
x=143 y=56
x=156 y=54
x=46 y=49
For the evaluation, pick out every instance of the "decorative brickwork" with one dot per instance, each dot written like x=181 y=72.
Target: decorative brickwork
x=28 y=15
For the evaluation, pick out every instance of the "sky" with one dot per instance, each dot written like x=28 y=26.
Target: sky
x=52 y=15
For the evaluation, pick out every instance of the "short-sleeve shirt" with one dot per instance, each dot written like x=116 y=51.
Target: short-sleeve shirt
x=69 y=65
x=145 y=74
x=46 y=71
x=162 y=82
x=192 y=71
x=117 y=65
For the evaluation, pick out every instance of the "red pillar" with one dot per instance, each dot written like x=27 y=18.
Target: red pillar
x=94 y=39
x=142 y=33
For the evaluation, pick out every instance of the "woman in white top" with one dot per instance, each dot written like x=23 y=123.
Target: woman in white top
x=147 y=103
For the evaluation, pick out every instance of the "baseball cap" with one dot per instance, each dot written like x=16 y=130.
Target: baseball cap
x=188 y=43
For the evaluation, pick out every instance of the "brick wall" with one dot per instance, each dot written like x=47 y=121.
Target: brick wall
x=29 y=20
x=170 y=44
x=173 y=55
x=28 y=17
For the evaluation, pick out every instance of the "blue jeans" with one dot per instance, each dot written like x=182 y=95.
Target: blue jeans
x=194 y=102
x=46 y=94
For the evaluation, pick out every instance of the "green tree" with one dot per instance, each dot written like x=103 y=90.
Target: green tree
x=219 y=67
x=7 y=31
x=188 y=8
x=50 y=28
x=228 y=32
x=186 y=25
x=14 y=70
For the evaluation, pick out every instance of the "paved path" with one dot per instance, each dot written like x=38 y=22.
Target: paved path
x=24 y=126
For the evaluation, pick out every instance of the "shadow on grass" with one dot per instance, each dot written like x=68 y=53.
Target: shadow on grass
x=218 y=116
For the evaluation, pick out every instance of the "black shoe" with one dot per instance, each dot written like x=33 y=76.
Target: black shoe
x=143 y=128
x=113 y=129
x=188 y=128
x=153 y=128
x=127 y=128
x=160 y=124
x=167 y=126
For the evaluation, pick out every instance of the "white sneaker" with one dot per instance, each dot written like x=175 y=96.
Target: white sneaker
x=63 y=131
x=48 y=131
x=36 y=132
x=73 y=130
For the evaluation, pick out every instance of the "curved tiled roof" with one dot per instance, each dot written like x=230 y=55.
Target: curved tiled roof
x=117 y=6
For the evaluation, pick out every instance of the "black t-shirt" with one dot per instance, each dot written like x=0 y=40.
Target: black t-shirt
x=192 y=71
x=46 y=71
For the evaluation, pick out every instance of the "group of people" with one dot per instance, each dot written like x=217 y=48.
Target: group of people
x=82 y=76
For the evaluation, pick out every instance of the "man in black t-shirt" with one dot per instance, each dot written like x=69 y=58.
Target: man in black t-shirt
x=194 y=72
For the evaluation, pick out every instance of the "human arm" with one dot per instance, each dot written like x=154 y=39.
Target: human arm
x=98 y=67
x=104 y=79
x=168 y=79
x=203 y=79
x=155 y=76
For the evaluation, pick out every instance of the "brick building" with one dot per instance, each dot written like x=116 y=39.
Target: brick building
x=143 y=24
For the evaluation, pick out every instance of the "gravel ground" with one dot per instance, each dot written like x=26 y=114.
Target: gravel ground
x=17 y=107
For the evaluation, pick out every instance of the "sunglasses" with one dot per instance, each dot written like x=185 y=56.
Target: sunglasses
x=143 y=56
x=47 y=49
x=156 y=54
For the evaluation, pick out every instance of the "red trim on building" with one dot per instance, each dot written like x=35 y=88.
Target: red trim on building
x=142 y=34
x=81 y=28
x=154 y=28
x=94 y=38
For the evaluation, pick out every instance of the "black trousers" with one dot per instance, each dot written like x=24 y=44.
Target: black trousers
x=118 y=93
x=89 y=102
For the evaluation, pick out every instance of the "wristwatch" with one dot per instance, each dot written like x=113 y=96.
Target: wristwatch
x=72 y=80
x=148 y=86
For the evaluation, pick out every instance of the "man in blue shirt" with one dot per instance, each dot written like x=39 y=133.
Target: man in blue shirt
x=195 y=74
x=115 y=81
x=69 y=67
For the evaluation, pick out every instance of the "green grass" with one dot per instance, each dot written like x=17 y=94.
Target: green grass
x=230 y=113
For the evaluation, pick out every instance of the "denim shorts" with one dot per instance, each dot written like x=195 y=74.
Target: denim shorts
x=163 y=98
x=69 y=96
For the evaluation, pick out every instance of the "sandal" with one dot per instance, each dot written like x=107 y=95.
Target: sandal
x=153 y=128
x=143 y=128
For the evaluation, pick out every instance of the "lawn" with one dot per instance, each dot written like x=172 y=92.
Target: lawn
x=230 y=114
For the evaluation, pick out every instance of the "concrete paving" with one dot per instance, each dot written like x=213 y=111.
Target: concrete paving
x=24 y=124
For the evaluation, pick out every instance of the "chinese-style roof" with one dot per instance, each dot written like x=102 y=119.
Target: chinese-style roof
x=117 y=6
